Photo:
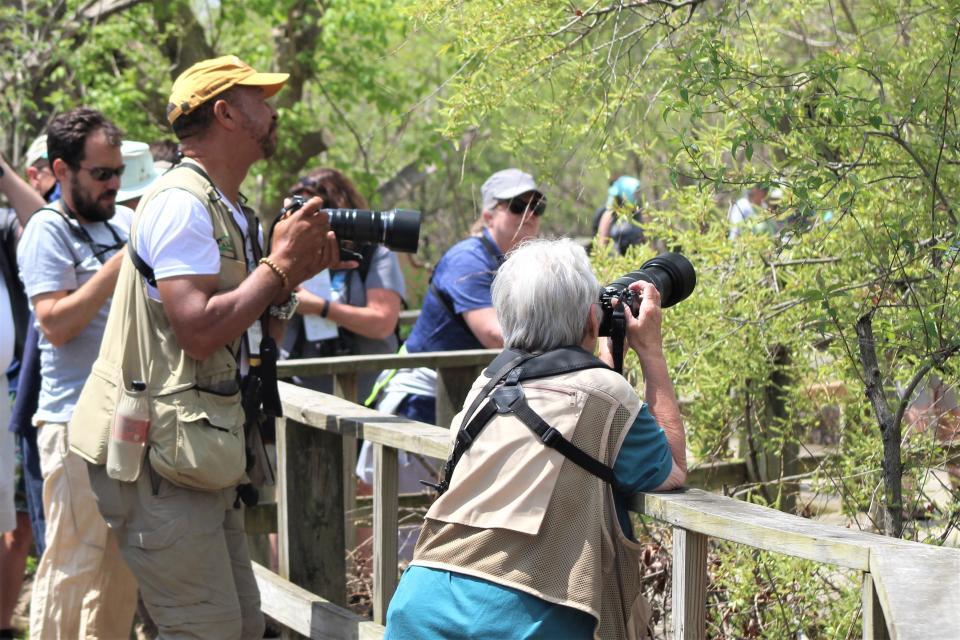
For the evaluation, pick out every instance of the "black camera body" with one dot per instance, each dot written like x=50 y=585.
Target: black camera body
x=396 y=229
x=673 y=276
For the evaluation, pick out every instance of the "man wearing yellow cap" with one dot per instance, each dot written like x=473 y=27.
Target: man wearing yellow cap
x=184 y=327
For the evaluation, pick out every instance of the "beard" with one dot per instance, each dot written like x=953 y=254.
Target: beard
x=89 y=208
x=268 y=141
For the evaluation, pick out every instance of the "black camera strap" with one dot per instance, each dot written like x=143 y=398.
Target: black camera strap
x=618 y=333
x=510 y=368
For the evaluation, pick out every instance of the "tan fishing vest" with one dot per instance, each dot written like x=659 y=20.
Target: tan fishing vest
x=519 y=514
x=196 y=430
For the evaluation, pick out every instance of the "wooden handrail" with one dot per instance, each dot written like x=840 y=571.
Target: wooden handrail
x=378 y=362
x=910 y=590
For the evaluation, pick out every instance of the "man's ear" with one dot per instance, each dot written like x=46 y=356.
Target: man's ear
x=223 y=112
x=60 y=169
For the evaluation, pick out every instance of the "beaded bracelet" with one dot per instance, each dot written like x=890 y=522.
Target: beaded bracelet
x=277 y=270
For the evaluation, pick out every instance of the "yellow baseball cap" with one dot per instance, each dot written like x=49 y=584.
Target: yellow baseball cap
x=210 y=78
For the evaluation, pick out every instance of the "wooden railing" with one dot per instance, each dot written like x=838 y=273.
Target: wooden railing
x=910 y=590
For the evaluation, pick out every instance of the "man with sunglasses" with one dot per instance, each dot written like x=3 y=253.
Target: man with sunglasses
x=69 y=258
x=457 y=312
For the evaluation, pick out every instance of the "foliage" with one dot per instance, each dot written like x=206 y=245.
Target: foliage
x=849 y=108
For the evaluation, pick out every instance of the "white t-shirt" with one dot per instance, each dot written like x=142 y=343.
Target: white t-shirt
x=175 y=237
x=737 y=214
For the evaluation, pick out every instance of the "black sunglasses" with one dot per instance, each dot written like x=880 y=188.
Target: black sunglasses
x=536 y=204
x=102 y=174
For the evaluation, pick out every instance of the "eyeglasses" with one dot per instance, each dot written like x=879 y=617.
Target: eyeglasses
x=102 y=174
x=536 y=204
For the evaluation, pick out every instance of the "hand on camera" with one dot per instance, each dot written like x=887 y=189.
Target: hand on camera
x=643 y=331
x=304 y=245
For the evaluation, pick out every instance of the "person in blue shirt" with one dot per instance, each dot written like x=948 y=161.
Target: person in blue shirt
x=526 y=539
x=457 y=312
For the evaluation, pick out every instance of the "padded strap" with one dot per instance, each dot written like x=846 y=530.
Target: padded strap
x=145 y=270
x=510 y=399
x=511 y=368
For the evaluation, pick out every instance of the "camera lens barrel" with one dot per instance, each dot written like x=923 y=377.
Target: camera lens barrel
x=671 y=273
x=397 y=229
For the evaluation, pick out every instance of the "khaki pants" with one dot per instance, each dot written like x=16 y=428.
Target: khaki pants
x=189 y=552
x=83 y=588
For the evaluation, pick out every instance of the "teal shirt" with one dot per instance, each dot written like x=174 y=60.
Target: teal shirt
x=433 y=603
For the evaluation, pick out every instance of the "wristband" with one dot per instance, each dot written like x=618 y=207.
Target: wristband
x=277 y=270
x=326 y=309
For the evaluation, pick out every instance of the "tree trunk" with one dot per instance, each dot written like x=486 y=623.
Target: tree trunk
x=889 y=428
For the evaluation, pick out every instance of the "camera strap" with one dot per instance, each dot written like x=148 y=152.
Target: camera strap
x=618 y=333
x=511 y=367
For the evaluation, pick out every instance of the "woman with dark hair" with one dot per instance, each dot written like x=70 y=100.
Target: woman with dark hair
x=346 y=312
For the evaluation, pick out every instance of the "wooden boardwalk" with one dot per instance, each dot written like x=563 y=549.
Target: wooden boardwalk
x=909 y=590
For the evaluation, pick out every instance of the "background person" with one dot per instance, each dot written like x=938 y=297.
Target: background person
x=346 y=311
x=457 y=311
x=139 y=173
x=745 y=208
x=622 y=213
x=15 y=532
x=69 y=257
x=525 y=543
x=44 y=183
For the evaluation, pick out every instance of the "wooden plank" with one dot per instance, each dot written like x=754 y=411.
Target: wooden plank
x=453 y=384
x=310 y=502
x=763 y=528
x=385 y=505
x=378 y=362
x=329 y=413
x=918 y=588
x=689 y=585
x=308 y=614
x=345 y=386
x=874 y=623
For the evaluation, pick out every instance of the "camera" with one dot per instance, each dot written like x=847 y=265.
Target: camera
x=671 y=273
x=397 y=229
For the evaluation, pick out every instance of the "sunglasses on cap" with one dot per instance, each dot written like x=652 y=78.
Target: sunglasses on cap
x=102 y=174
x=535 y=204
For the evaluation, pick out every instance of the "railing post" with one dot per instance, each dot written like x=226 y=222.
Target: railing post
x=310 y=509
x=345 y=386
x=453 y=384
x=874 y=623
x=689 y=584
x=385 y=505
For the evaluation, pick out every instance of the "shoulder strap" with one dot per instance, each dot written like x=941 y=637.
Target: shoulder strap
x=511 y=367
x=446 y=301
x=145 y=270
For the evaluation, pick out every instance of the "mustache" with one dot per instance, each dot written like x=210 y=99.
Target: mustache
x=108 y=194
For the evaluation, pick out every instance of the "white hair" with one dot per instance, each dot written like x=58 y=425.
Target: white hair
x=542 y=295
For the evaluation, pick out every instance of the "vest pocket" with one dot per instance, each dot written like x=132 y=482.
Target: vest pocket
x=196 y=439
x=92 y=419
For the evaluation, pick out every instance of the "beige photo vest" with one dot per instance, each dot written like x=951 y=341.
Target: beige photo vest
x=520 y=514
x=195 y=437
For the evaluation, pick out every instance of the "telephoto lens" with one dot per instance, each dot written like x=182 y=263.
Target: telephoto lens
x=397 y=229
x=672 y=275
